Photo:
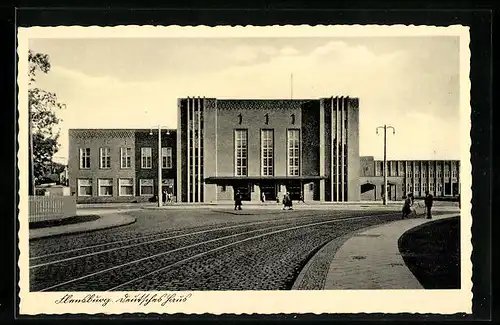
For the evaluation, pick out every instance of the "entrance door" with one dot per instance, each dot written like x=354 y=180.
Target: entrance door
x=270 y=190
x=294 y=188
x=245 y=191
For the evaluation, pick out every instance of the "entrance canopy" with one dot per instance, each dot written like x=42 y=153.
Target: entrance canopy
x=211 y=180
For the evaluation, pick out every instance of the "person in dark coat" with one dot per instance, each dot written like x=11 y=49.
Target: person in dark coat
x=428 y=203
x=407 y=206
x=164 y=197
x=237 y=201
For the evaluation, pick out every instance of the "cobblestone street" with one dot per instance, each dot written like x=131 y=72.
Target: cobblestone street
x=193 y=249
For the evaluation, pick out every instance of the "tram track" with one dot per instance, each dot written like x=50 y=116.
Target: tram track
x=159 y=255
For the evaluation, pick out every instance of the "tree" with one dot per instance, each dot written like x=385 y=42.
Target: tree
x=43 y=107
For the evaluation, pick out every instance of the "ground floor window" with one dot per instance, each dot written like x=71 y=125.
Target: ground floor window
x=105 y=187
x=146 y=187
x=84 y=187
x=126 y=187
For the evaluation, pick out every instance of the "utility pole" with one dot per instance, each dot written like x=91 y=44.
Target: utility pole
x=385 y=127
x=160 y=162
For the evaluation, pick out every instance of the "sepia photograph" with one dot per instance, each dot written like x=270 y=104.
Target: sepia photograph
x=209 y=169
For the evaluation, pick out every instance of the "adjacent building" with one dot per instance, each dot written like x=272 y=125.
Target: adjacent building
x=120 y=165
x=439 y=177
x=306 y=147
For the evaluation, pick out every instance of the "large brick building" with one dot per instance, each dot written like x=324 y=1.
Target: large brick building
x=119 y=165
x=306 y=147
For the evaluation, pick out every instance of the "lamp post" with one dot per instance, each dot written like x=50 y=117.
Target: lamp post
x=160 y=202
x=385 y=127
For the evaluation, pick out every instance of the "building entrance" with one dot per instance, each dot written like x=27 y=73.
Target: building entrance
x=270 y=190
x=245 y=191
x=295 y=190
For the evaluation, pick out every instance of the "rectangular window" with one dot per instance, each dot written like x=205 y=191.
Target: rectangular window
x=166 y=157
x=446 y=172
x=424 y=187
x=146 y=187
x=440 y=187
x=417 y=172
x=409 y=172
x=105 y=158
x=377 y=168
x=240 y=147
x=126 y=187
x=401 y=169
x=409 y=188
x=454 y=173
x=267 y=152
x=105 y=187
x=126 y=157
x=417 y=187
x=431 y=171
x=84 y=187
x=84 y=158
x=293 y=150
x=431 y=187
x=438 y=172
x=146 y=157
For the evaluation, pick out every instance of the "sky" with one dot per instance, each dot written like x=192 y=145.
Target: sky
x=411 y=83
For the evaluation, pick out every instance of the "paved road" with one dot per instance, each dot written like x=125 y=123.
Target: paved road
x=193 y=250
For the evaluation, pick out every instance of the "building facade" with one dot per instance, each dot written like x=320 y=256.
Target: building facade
x=439 y=177
x=120 y=165
x=307 y=147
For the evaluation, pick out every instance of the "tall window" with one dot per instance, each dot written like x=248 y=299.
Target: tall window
x=105 y=187
x=409 y=188
x=454 y=172
x=417 y=187
x=293 y=152
x=126 y=187
x=166 y=157
x=431 y=187
x=401 y=168
x=408 y=172
x=146 y=157
x=438 y=172
x=84 y=187
x=446 y=172
x=84 y=158
x=241 y=163
x=417 y=172
x=126 y=157
x=146 y=187
x=105 y=160
x=267 y=155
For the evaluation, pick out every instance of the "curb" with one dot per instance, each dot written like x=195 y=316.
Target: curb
x=337 y=243
x=126 y=220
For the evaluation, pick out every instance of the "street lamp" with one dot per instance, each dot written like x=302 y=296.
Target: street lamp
x=159 y=164
x=385 y=127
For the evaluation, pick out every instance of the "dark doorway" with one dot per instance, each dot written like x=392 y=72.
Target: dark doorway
x=270 y=190
x=245 y=191
x=294 y=188
x=455 y=189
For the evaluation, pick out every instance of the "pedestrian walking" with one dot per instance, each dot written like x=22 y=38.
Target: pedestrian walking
x=406 y=206
x=287 y=202
x=428 y=204
x=164 y=197
x=237 y=201
x=263 y=197
x=169 y=197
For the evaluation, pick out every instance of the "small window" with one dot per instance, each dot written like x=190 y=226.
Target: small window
x=146 y=187
x=146 y=158
x=105 y=161
x=126 y=187
x=105 y=187
x=84 y=158
x=84 y=187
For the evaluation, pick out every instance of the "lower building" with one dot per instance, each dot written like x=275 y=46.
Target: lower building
x=438 y=177
x=120 y=165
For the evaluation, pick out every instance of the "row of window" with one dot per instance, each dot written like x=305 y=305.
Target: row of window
x=416 y=173
x=126 y=158
x=105 y=187
x=267 y=152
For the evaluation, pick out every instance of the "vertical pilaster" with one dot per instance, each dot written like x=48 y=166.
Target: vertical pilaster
x=337 y=141
x=188 y=163
x=342 y=154
x=322 y=150
x=198 y=135
x=332 y=127
x=178 y=190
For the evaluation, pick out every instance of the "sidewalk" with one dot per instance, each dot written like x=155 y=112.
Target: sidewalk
x=371 y=260
x=106 y=220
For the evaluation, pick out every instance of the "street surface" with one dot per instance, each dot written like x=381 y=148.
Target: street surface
x=193 y=249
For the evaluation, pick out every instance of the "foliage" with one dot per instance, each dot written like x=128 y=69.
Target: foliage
x=43 y=107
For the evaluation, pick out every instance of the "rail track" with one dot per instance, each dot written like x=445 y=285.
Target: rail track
x=263 y=254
